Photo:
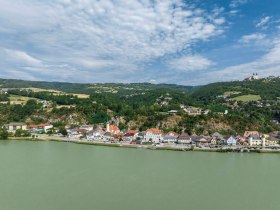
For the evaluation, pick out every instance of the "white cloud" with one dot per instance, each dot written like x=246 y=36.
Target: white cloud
x=263 y=22
x=237 y=3
x=22 y=57
x=190 y=63
x=252 y=38
x=120 y=36
x=266 y=65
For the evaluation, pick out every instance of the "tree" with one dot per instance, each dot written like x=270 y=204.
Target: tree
x=63 y=131
x=4 y=135
x=22 y=133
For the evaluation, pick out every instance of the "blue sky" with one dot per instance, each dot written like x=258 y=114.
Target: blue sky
x=188 y=42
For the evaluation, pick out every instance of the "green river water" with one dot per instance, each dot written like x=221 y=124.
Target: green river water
x=53 y=175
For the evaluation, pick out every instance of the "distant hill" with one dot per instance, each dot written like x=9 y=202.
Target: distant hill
x=267 y=89
x=89 y=88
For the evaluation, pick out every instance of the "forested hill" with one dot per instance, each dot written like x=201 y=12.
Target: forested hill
x=231 y=107
x=90 y=88
x=267 y=89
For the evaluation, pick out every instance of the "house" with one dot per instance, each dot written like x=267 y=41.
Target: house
x=113 y=129
x=272 y=139
x=213 y=141
x=173 y=112
x=87 y=127
x=96 y=134
x=230 y=140
x=153 y=135
x=12 y=127
x=130 y=135
x=217 y=136
x=193 y=111
x=108 y=136
x=184 y=139
x=73 y=133
x=170 y=137
x=118 y=137
x=40 y=127
x=199 y=140
x=241 y=140
x=250 y=133
x=256 y=140
x=140 y=135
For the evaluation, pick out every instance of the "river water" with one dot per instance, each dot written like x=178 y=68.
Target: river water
x=53 y=175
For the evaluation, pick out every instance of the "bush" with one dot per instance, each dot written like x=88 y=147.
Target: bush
x=22 y=133
x=4 y=135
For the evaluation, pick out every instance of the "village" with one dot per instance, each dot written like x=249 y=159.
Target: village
x=111 y=134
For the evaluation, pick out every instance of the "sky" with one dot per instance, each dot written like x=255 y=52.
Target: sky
x=187 y=42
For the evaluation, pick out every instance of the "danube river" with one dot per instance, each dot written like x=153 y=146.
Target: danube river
x=53 y=175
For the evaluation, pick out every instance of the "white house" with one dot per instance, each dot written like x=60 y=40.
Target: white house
x=12 y=127
x=254 y=140
x=230 y=140
x=184 y=139
x=152 y=135
x=97 y=134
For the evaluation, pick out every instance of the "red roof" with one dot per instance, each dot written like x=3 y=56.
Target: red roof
x=113 y=128
x=132 y=131
x=154 y=130
x=171 y=133
x=250 y=133
x=38 y=126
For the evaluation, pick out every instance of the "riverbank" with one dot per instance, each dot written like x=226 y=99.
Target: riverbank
x=181 y=148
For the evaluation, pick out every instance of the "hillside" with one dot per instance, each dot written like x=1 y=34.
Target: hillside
x=228 y=107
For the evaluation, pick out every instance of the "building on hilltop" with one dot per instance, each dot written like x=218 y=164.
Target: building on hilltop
x=252 y=78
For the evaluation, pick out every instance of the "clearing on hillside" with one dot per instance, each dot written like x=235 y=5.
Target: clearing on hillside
x=15 y=99
x=247 y=98
x=41 y=90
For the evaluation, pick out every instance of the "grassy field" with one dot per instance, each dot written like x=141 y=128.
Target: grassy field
x=81 y=95
x=42 y=90
x=19 y=99
x=229 y=93
x=56 y=92
x=247 y=98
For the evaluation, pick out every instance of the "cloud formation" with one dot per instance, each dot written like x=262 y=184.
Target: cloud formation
x=190 y=63
x=101 y=36
x=252 y=38
x=263 y=22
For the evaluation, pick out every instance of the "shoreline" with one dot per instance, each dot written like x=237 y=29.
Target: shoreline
x=152 y=147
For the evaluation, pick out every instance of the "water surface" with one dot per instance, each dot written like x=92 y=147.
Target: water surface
x=53 y=175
